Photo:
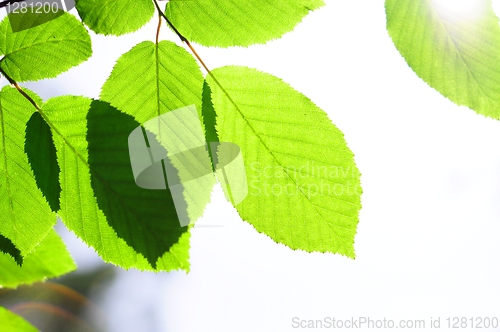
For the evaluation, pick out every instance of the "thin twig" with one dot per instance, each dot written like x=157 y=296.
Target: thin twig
x=182 y=38
x=9 y=2
x=185 y=41
x=158 y=29
x=21 y=91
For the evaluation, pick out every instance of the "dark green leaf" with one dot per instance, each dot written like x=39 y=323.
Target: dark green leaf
x=41 y=151
x=210 y=121
x=7 y=247
x=146 y=219
x=100 y=201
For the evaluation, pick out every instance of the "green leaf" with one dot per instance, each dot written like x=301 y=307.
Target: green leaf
x=455 y=51
x=14 y=323
x=115 y=17
x=41 y=151
x=26 y=215
x=303 y=185
x=237 y=22
x=43 y=51
x=152 y=80
x=50 y=259
x=100 y=201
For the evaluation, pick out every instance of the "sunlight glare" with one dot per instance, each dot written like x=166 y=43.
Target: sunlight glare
x=463 y=10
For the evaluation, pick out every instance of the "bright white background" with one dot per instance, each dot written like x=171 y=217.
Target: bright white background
x=428 y=242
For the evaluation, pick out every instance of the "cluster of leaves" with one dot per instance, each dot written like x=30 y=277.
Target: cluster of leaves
x=68 y=156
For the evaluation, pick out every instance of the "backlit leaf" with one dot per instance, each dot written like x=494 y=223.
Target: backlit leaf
x=8 y=248
x=237 y=22
x=50 y=259
x=115 y=17
x=303 y=185
x=43 y=51
x=453 y=46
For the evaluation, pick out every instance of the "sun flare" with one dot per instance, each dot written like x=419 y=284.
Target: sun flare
x=463 y=10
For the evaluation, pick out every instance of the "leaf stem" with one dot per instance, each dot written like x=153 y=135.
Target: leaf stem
x=158 y=29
